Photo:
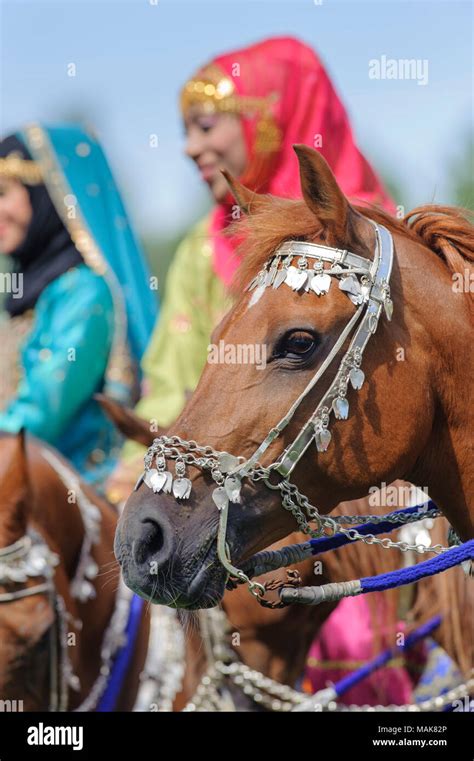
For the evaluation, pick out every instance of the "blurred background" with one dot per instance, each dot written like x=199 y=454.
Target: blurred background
x=118 y=66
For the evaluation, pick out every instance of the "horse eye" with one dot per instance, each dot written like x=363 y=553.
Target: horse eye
x=298 y=344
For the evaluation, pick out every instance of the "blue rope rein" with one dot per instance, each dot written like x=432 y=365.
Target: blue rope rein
x=123 y=659
x=454 y=556
x=338 y=590
x=347 y=682
x=272 y=560
x=331 y=693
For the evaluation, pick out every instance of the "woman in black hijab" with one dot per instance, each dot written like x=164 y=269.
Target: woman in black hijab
x=42 y=250
x=64 y=334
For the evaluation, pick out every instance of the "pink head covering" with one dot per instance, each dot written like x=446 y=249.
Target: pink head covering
x=346 y=642
x=284 y=96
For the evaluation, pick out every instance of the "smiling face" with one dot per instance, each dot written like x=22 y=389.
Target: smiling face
x=167 y=546
x=15 y=214
x=215 y=141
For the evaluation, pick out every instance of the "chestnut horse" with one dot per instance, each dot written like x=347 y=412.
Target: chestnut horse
x=411 y=420
x=35 y=502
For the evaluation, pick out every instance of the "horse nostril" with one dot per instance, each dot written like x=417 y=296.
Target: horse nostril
x=151 y=541
x=157 y=537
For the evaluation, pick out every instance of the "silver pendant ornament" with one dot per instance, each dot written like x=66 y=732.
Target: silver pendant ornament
x=181 y=484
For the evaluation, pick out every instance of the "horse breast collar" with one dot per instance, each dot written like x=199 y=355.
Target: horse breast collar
x=366 y=283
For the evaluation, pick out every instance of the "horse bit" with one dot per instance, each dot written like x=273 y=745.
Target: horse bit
x=366 y=284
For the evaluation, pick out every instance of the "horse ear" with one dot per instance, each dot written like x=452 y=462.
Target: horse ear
x=248 y=201
x=15 y=490
x=319 y=187
x=132 y=426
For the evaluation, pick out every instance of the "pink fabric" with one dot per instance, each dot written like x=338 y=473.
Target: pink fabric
x=306 y=109
x=347 y=636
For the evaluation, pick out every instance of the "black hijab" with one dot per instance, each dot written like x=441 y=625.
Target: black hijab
x=47 y=250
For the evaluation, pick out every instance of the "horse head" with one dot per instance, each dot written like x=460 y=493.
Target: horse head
x=238 y=439
x=25 y=622
x=57 y=584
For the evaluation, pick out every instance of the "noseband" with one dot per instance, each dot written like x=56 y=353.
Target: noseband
x=27 y=558
x=366 y=283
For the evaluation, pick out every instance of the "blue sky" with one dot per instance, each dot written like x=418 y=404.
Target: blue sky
x=131 y=58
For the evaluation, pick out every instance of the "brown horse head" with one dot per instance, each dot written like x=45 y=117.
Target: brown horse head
x=24 y=623
x=409 y=420
x=44 y=633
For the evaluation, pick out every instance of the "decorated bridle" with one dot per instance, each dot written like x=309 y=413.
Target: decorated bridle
x=366 y=283
x=30 y=558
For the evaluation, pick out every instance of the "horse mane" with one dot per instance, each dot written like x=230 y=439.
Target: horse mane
x=445 y=230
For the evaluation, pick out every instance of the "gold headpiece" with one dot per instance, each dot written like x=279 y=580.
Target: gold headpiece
x=14 y=166
x=214 y=91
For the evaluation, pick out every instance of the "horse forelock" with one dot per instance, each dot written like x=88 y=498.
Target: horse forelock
x=264 y=230
x=444 y=230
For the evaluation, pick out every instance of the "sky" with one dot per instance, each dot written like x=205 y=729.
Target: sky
x=131 y=58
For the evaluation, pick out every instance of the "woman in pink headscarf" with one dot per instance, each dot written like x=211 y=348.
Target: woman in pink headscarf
x=243 y=111
x=282 y=95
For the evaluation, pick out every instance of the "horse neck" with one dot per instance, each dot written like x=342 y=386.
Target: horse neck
x=446 y=466
x=264 y=634
x=56 y=510
x=442 y=358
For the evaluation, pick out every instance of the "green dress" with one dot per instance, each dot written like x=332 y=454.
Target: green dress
x=195 y=301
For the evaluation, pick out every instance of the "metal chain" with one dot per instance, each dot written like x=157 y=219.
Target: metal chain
x=281 y=698
x=261 y=689
x=387 y=543
x=353 y=534
x=304 y=513
x=390 y=518
x=433 y=704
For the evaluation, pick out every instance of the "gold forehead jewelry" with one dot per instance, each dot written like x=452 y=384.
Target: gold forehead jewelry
x=214 y=91
x=14 y=166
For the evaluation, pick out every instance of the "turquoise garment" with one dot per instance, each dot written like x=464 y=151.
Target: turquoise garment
x=63 y=360
x=87 y=187
x=91 y=324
